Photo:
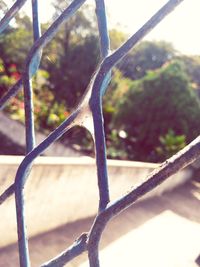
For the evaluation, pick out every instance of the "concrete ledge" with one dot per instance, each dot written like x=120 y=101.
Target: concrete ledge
x=62 y=190
x=16 y=160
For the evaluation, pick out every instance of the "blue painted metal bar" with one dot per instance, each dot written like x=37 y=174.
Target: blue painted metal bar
x=29 y=114
x=20 y=180
x=36 y=33
x=25 y=167
x=104 y=39
x=30 y=143
x=7 y=193
x=11 y=93
x=36 y=23
x=11 y=14
x=103 y=28
x=100 y=144
x=79 y=246
x=27 y=84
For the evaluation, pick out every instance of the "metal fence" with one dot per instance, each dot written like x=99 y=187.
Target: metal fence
x=88 y=114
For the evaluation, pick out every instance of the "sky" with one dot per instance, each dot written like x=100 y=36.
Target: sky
x=180 y=27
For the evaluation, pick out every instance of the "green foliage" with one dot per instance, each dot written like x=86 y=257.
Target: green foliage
x=48 y=113
x=146 y=56
x=15 y=108
x=72 y=55
x=170 y=144
x=118 y=87
x=115 y=145
x=150 y=108
x=16 y=42
x=117 y=38
x=160 y=101
x=192 y=67
x=7 y=79
x=70 y=77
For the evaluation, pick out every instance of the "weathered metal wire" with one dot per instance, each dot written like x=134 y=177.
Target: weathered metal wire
x=7 y=193
x=10 y=93
x=27 y=84
x=99 y=136
x=10 y=14
x=79 y=246
x=88 y=114
x=32 y=65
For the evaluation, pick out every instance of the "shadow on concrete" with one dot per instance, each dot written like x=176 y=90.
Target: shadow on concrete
x=43 y=247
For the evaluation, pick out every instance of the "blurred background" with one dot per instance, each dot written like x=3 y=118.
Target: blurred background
x=151 y=111
x=152 y=105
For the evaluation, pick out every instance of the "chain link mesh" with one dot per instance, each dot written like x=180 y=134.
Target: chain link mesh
x=90 y=105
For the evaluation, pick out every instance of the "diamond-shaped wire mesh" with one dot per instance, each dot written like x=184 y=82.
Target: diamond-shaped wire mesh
x=91 y=107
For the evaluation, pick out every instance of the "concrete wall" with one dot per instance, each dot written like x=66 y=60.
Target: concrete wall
x=62 y=190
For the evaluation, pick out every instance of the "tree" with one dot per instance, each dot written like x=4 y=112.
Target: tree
x=160 y=101
x=192 y=67
x=15 y=42
x=70 y=76
x=146 y=56
x=72 y=56
x=117 y=38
